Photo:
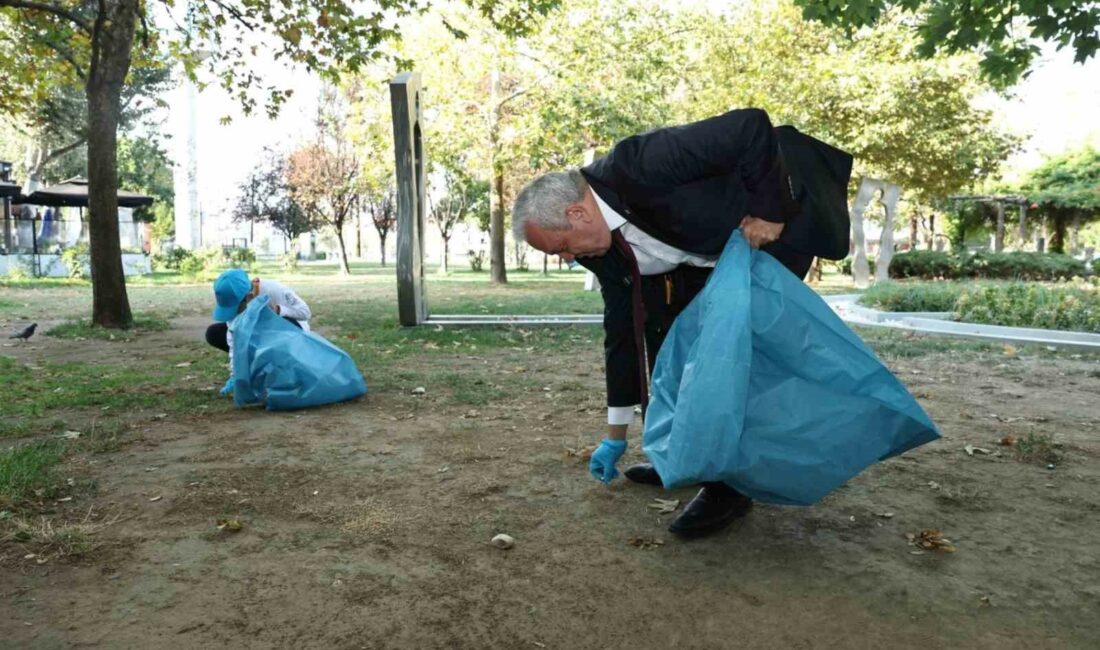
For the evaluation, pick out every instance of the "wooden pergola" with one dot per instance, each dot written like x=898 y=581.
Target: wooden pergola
x=999 y=202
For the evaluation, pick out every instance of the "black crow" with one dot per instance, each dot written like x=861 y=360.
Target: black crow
x=26 y=333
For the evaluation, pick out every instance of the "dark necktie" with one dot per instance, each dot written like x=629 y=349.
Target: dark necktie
x=638 y=312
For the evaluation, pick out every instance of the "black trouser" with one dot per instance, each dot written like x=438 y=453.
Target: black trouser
x=666 y=295
x=216 y=333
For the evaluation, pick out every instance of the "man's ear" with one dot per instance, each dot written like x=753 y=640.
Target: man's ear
x=577 y=213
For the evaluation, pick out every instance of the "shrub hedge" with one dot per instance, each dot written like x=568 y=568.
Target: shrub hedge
x=931 y=265
x=1064 y=306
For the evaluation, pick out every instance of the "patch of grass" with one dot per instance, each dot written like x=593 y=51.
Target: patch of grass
x=83 y=329
x=49 y=540
x=36 y=392
x=106 y=435
x=14 y=428
x=477 y=392
x=21 y=427
x=1060 y=307
x=912 y=296
x=27 y=468
x=40 y=283
x=1037 y=448
x=899 y=344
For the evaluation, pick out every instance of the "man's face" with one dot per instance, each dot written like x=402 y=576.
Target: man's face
x=587 y=236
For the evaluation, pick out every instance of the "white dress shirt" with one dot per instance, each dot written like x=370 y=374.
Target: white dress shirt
x=654 y=257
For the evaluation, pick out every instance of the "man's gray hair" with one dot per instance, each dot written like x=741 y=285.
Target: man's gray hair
x=544 y=200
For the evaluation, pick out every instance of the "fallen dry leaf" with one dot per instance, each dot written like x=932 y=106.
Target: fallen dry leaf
x=930 y=539
x=183 y=364
x=156 y=498
x=645 y=542
x=970 y=449
x=664 y=506
x=229 y=525
x=1007 y=441
x=1010 y=350
x=583 y=453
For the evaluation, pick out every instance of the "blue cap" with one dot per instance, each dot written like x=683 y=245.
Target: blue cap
x=230 y=289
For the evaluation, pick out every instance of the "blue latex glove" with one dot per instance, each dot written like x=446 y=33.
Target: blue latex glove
x=228 y=388
x=604 y=459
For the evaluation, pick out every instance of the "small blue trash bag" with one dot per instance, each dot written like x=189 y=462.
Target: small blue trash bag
x=760 y=385
x=284 y=367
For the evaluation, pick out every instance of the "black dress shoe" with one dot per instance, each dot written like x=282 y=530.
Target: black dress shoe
x=643 y=473
x=714 y=508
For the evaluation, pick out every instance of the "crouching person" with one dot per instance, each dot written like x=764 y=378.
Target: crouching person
x=233 y=290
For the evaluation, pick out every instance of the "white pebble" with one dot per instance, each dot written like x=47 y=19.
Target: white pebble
x=503 y=542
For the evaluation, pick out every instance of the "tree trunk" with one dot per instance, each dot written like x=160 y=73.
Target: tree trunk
x=860 y=269
x=446 y=248
x=931 y=231
x=1075 y=235
x=115 y=39
x=345 y=269
x=814 y=276
x=35 y=161
x=382 y=238
x=1058 y=239
x=358 y=237
x=999 y=235
x=545 y=264
x=914 y=230
x=1023 y=225
x=497 y=272
x=890 y=195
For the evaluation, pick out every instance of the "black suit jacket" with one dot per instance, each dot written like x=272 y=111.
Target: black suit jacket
x=689 y=186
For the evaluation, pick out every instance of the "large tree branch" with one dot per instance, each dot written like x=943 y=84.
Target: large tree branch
x=144 y=26
x=57 y=153
x=65 y=53
x=233 y=11
x=60 y=12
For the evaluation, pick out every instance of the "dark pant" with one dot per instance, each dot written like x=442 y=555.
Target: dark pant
x=216 y=334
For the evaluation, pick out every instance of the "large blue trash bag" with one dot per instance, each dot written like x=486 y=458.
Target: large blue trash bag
x=284 y=367
x=760 y=385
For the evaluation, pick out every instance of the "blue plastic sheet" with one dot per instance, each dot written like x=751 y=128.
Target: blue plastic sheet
x=760 y=385
x=284 y=367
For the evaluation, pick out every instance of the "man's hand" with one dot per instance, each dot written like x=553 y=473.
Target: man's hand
x=604 y=459
x=759 y=232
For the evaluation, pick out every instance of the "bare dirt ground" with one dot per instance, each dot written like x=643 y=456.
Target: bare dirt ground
x=367 y=525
